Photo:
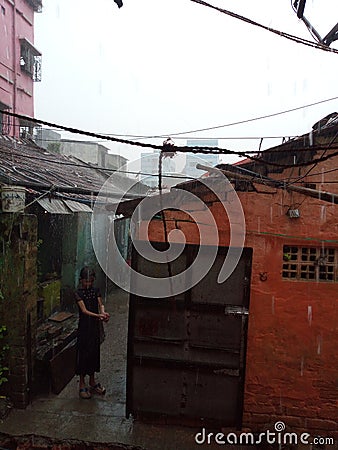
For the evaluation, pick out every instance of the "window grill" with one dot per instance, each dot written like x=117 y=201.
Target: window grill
x=5 y=122
x=310 y=263
x=30 y=60
x=26 y=129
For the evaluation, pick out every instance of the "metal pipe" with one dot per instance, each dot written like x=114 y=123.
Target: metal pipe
x=331 y=36
x=312 y=29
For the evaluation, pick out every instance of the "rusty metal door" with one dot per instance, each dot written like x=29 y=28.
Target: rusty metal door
x=186 y=354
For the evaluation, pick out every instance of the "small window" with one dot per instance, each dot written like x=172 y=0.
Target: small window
x=26 y=129
x=5 y=121
x=30 y=60
x=310 y=263
x=3 y=11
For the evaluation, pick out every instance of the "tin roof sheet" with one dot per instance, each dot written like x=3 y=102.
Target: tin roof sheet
x=24 y=163
x=77 y=206
x=54 y=206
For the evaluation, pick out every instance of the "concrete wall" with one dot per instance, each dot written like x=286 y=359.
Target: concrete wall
x=115 y=162
x=89 y=152
x=291 y=365
x=49 y=291
x=69 y=261
x=48 y=139
x=18 y=277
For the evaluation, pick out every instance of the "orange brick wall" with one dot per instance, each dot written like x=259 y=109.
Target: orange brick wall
x=291 y=366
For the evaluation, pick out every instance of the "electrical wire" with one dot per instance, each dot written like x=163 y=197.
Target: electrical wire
x=316 y=163
x=184 y=149
x=130 y=172
x=240 y=122
x=275 y=150
x=104 y=169
x=325 y=171
x=291 y=37
x=37 y=199
x=303 y=238
x=195 y=138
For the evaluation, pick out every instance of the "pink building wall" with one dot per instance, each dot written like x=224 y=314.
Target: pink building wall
x=16 y=85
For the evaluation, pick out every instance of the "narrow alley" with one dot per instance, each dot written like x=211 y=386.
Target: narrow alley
x=100 y=419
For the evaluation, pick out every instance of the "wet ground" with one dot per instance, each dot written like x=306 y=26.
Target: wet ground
x=100 y=419
x=75 y=423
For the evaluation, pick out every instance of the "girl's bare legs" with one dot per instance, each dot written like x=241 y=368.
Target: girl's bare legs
x=82 y=382
x=92 y=380
x=83 y=391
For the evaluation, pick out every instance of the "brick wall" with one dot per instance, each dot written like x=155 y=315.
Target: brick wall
x=18 y=279
x=291 y=365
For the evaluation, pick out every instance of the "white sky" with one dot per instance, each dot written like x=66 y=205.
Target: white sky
x=165 y=66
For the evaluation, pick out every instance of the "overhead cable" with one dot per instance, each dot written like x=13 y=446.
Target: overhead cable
x=291 y=37
x=230 y=124
x=253 y=119
x=330 y=197
x=146 y=174
x=195 y=138
x=184 y=149
x=327 y=147
x=302 y=238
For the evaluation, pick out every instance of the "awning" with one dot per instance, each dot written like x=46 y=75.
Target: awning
x=77 y=206
x=54 y=206
x=30 y=46
x=59 y=206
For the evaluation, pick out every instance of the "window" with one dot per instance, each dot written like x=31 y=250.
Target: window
x=26 y=129
x=30 y=60
x=4 y=119
x=310 y=263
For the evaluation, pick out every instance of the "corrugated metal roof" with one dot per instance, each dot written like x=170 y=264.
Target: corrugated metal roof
x=77 y=207
x=24 y=163
x=20 y=162
x=53 y=206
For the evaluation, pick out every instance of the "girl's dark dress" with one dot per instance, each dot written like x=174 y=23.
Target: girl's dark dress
x=88 y=334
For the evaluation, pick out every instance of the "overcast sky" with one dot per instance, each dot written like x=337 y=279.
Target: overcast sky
x=167 y=66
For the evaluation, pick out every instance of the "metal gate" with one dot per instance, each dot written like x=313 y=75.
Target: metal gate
x=186 y=355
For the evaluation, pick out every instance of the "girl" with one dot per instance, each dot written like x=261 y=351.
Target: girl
x=91 y=311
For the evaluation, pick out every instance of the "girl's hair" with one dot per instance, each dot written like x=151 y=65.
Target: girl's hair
x=86 y=273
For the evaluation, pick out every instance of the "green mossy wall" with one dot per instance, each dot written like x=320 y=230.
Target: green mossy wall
x=18 y=284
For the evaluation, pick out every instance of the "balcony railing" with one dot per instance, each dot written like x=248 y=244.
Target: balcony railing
x=30 y=60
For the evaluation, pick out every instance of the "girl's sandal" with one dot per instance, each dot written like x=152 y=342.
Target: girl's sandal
x=84 y=393
x=97 y=389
